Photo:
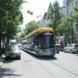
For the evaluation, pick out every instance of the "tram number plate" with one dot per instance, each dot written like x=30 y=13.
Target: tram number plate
x=13 y=56
x=49 y=51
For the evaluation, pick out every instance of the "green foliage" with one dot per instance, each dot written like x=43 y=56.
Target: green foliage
x=50 y=12
x=54 y=15
x=20 y=36
x=65 y=26
x=31 y=26
x=75 y=15
x=10 y=17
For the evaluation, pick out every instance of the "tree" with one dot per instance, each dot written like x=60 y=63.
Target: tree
x=74 y=18
x=10 y=18
x=75 y=15
x=54 y=15
x=31 y=26
x=22 y=34
x=65 y=26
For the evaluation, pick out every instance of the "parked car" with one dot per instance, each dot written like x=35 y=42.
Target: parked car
x=13 y=52
x=19 y=45
x=57 y=48
x=72 y=48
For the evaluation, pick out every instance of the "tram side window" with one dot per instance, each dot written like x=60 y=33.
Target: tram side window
x=36 y=42
x=39 y=43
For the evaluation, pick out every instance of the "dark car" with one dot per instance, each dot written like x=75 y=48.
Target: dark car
x=57 y=48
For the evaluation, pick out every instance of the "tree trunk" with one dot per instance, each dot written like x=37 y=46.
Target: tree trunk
x=7 y=41
x=3 y=42
x=0 y=41
x=0 y=47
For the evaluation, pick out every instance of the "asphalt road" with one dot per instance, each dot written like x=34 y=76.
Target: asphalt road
x=63 y=65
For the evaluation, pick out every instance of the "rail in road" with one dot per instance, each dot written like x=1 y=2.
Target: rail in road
x=65 y=69
x=58 y=63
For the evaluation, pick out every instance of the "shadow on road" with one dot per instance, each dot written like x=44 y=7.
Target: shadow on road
x=7 y=73
x=41 y=57
x=45 y=58
x=9 y=60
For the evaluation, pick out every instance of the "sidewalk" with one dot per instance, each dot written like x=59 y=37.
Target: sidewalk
x=1 y=60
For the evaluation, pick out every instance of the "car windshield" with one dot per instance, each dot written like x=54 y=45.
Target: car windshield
x=14 y=48
x=76 y=45
x=48 y=42
x=57 y=46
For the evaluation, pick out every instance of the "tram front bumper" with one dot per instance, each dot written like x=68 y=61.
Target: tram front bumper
x=47 y=52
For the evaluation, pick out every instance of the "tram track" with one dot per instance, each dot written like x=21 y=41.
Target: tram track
x=64 y=69
x=60 y=67
x=57 y=66
x=51 y=61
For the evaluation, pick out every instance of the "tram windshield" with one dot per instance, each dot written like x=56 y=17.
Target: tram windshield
x=47 y=41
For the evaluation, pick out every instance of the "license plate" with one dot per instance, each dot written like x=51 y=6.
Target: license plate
x=13 y=56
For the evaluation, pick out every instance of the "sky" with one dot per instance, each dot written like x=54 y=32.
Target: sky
x=38 y=7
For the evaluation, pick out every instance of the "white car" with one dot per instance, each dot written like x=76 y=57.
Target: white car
x=73 y=48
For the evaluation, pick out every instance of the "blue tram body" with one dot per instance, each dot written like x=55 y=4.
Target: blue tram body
x=40 y=42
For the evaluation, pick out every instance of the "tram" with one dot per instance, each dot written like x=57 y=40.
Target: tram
x=40 y=42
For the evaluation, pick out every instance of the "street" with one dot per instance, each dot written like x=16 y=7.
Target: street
x=63 y=65
x=42 y=27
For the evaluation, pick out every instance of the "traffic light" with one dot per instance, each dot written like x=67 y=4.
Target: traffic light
x=28 y=11
x=31 y=13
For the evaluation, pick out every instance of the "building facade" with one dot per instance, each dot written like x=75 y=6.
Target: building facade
x=43 y=22
x=67 y=9
x=68 y=6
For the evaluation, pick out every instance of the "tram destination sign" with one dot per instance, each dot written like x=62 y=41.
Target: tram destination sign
x=47 y=33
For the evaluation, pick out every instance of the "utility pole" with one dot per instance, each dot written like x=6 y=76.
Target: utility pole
x=71 y=27
x=72 y=31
